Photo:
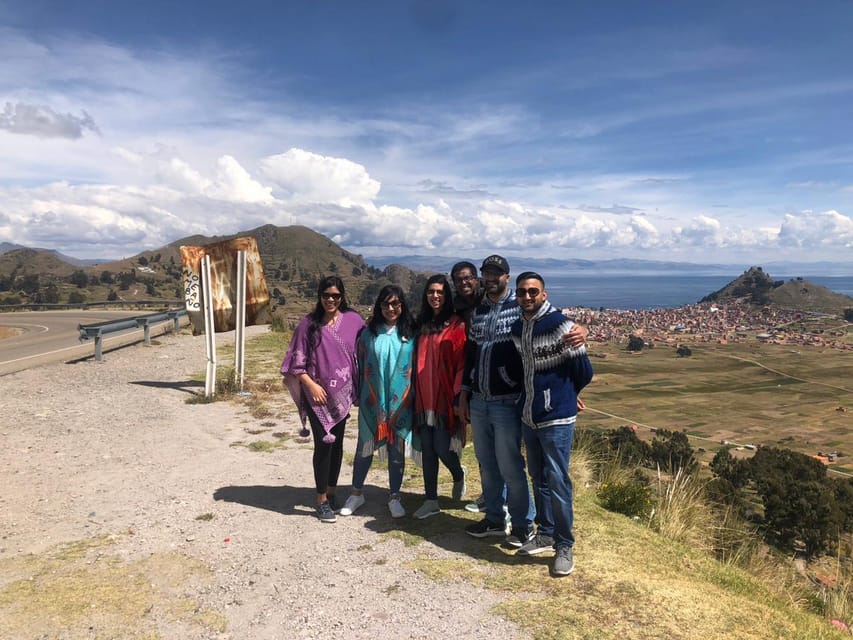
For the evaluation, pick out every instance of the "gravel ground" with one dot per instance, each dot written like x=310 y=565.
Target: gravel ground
x=113 y=448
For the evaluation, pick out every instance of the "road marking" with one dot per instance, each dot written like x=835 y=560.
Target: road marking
x=76 y=346
x=26 y=324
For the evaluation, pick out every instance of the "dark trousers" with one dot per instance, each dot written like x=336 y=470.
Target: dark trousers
x=327 y=457
x=436 y=446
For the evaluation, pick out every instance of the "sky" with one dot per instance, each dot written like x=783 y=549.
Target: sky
x=713 y=132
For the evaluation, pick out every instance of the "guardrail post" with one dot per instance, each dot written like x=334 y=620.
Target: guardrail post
x=175 y=315
x=99 y=355
x=146 y=327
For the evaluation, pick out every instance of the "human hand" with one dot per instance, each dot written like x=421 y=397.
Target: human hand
x=576 y=336
x=581 y=405
x=463 y=410
x=316 y=392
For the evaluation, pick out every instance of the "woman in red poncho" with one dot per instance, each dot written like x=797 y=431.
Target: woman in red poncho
x=440 y=356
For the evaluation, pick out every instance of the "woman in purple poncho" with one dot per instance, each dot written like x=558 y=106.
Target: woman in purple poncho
x=321 y=372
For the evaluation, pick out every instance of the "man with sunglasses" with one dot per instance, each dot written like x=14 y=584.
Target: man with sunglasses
x=492 y=382
x=554 y=374
x=467 y=287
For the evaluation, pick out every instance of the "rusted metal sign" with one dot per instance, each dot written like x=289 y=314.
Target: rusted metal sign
x=223 y=285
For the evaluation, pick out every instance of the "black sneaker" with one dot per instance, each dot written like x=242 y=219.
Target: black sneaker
x=564 y=562
x=536 y=544
x=485 y=529
x=325 y=513
x=518 y=537
x=333 y=503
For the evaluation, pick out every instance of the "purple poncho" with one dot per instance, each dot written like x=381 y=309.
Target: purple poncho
x=332 y=365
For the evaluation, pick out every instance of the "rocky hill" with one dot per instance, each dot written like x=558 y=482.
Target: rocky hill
x=294 y=257
x=756 y=287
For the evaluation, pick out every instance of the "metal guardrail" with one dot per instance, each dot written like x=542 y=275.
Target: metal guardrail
x=103 y=304
x=97 y=330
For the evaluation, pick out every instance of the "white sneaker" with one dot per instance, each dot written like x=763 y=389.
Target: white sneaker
x=427 y=509
x=396 y=508
x=351 y=505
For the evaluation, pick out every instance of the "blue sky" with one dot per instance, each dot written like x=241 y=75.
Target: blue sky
x=702 y=132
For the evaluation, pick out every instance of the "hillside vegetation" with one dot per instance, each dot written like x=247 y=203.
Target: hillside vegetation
x=294 y=258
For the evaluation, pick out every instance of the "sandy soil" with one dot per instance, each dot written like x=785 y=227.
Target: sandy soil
x=209 y=538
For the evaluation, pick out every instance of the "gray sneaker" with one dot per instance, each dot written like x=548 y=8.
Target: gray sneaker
x=536 y=544
x=324 y=512
x=564 y=562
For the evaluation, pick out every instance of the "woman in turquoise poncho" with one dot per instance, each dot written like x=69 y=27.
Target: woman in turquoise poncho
x=385 y=396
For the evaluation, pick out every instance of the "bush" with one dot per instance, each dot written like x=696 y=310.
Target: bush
x=635 y=343
x=671 y=450
x=632 y=498
x=684 y=351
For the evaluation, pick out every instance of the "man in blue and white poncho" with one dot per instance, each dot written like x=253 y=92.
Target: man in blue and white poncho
x=554 y=374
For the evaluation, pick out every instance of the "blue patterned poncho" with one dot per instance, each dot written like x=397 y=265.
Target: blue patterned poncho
x=386 y=398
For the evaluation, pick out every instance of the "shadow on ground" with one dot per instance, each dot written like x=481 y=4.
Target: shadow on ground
x=279 y=499
x=178 y=385
x=445 y=530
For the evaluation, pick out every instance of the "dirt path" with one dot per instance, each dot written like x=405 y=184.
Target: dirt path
x=126 y=512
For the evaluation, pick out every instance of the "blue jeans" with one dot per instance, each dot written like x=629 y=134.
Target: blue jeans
x=548 y=452
x=436 y=446
x=396 y=467
x=496 y=426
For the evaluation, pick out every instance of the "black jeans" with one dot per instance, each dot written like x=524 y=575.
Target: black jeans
x=436 y=446
x=327 y=457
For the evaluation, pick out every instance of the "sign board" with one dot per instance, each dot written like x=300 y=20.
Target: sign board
x=223 y=284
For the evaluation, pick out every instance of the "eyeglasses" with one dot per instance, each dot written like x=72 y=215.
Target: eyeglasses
x=330 y=296
x=464 y=279
x=531 y=292
x=435 y=292
x=392 y=304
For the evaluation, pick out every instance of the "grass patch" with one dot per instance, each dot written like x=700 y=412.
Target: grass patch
x=205 y=517
x=80 y=590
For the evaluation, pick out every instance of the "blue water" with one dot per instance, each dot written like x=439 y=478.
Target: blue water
x=651 y=291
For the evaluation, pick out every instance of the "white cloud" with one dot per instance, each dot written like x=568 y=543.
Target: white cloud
x=701 y=232
x=812 y=230
x=310 y=177
x=234 y=184
x=645 y=233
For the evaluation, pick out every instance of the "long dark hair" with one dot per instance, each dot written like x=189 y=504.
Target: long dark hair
x=428 y=322
x=405 y=323
x=314 y=333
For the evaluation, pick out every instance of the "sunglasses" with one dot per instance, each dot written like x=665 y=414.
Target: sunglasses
x=531 y=292
x=393 y=304
x=330 y=296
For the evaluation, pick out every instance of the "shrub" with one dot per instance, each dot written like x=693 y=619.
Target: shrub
x=632 y=498
x=635 y=343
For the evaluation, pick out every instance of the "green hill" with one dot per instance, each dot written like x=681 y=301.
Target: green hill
x=756 y=287
x=294 y=258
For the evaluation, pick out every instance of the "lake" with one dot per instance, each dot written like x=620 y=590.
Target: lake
x=651 y=290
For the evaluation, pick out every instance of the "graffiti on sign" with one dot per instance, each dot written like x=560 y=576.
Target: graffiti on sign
x=223 y=285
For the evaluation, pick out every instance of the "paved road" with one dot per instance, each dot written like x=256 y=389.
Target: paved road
x=52 y=336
